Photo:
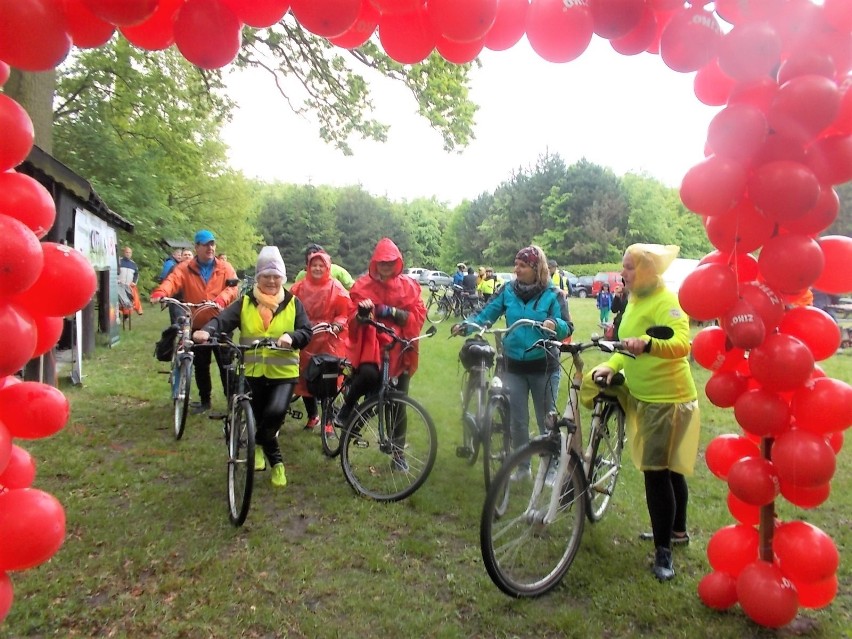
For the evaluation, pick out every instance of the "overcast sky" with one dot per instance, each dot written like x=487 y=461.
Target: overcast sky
x=630 y=113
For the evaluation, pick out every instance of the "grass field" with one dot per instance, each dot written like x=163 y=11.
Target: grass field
x=150 y=553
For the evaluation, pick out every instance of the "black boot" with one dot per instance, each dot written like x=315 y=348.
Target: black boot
x=663 y=566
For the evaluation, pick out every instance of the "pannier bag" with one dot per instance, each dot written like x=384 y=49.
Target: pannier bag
x=476 y=351
x=164 y=349
x=321 y=375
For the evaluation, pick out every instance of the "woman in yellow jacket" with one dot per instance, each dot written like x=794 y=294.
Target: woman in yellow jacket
x=267 y=311
x=662 y=409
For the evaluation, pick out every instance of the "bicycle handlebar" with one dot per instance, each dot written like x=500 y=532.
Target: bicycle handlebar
x=187 y=306
x=606 y=346
x=387 y=330
x=480 y=329
x=223 y=338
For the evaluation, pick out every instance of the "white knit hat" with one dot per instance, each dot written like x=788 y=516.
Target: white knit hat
x=269 y=261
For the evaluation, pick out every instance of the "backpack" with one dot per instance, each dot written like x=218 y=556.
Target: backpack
x=164 y=349
x=321 y=375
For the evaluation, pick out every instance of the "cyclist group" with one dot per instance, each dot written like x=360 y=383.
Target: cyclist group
x=661 y=407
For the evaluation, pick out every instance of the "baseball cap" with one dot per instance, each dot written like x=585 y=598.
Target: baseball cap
x=204 y=237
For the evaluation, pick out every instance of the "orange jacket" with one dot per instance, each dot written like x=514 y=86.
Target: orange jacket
x=186 y=279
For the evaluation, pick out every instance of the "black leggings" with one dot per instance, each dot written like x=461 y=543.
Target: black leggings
x=366 y=381
x=269 y=401
x=202 y=372
x=667 y=495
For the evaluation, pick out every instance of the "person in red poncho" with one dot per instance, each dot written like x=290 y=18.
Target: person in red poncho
x=325 y=300
x=393 y=299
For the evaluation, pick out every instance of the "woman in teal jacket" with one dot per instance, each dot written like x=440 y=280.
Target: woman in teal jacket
x=531 y=295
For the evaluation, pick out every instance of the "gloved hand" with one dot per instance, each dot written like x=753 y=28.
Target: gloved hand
x=364 y=311
x=220 y=302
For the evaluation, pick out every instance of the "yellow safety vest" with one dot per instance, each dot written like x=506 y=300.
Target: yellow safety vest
x=265 y=362
x=486 y=286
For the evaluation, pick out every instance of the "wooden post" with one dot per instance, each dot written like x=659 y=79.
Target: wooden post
x=767 y=512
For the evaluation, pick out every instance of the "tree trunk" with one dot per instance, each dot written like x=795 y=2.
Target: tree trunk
x=34 y=92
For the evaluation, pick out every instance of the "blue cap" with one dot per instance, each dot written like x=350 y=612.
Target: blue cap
x=203 y=237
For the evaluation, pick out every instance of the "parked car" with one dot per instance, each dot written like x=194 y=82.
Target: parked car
x=414 y=273
x=613 y=278
x=436 y=277
x=571 y=279
x=583 y=287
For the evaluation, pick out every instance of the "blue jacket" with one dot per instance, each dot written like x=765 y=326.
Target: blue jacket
x=549 y=304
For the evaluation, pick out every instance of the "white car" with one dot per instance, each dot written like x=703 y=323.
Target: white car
x=414 y=273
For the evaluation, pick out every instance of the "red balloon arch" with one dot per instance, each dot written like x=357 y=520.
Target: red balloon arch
x=781 y=70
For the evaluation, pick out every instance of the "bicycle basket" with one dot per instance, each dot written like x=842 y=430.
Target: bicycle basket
x=476 y=351
x=321 y=375
x=164 y=349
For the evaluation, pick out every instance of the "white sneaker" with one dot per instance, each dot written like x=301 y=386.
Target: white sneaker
x=521 y=474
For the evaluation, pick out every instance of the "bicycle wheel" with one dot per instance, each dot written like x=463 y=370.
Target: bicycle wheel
x=241 y=451
x=330 y=434
x=436 y=312
x=473 y=400
x=181 y=384
x=524 y=555
x=393 y=469
x=496 y=438
x=607 y=446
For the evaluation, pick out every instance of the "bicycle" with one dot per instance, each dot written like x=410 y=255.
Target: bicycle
x=389 y=441
x=488 y=425
x=180 y=371
x=530 y=532
x=440 y=303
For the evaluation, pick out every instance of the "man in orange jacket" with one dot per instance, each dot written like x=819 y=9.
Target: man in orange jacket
x=200 y=279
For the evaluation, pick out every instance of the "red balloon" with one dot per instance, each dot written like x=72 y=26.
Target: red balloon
x=709 y=347
x=804 y=106
x=5 y=447
x=638 y=39
x=7 y=595
x=86 y=29
x=744 y=265
x=754 y=481
x=713 y=186
x=830 y=158
x=391 y=7
x=765 y=301
x=746 y=514
x=791 y=263
x=708 y=292
x=265 y=13
x=509 y=24
x=838 y=13
x=48 y=331
x=463 y=21
x=806 y=62
x=23 y=198
x=66 y=284
x=732 y=548
x=737 y=132
x=737 y=11
x=750 y=51
x=18 y=132
x=724 y=387
x=804 y=552
x=20 y=471
x=32 y=35
x=765 y=596
x=207 y=33
x=823 y=405
x=616 y=18
x=18 y=338
x=740 y=229
x=21 y=257
x=559 y=32
x=835 y=277
x=803 y=458
x=122 y=12
x=407 y=38
x=711 y=85
x=835 y=440
x=690 y=40
x=158 y=31
x=781 y=363
x=459 y=52
x=5 y=70
x=805 y=497
x=783 y=190
x=816 y=328
x=820 y=217
x=743 y=325
x=361 y=31
x=32 y=526
x=759 y=93
x=328 y=18
x=817 y=594
x=718 y=590
x=725 y=450
x=842 y=125
x=9 y=380
x=32 y=410
x=762 y=413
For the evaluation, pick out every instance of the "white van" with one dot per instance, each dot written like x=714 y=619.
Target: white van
x=414 y=273
x=677 y=272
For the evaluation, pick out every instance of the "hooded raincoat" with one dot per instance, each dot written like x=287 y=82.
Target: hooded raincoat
x=365 y=344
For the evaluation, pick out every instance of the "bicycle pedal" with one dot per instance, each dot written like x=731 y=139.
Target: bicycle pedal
x=464 y=452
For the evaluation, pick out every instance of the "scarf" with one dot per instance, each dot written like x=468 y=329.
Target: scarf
x=526 y=292
x=266 y=304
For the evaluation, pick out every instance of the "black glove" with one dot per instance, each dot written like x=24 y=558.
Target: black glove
x=364 y=312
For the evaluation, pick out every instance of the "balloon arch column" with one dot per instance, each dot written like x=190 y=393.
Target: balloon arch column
x=782 y=140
